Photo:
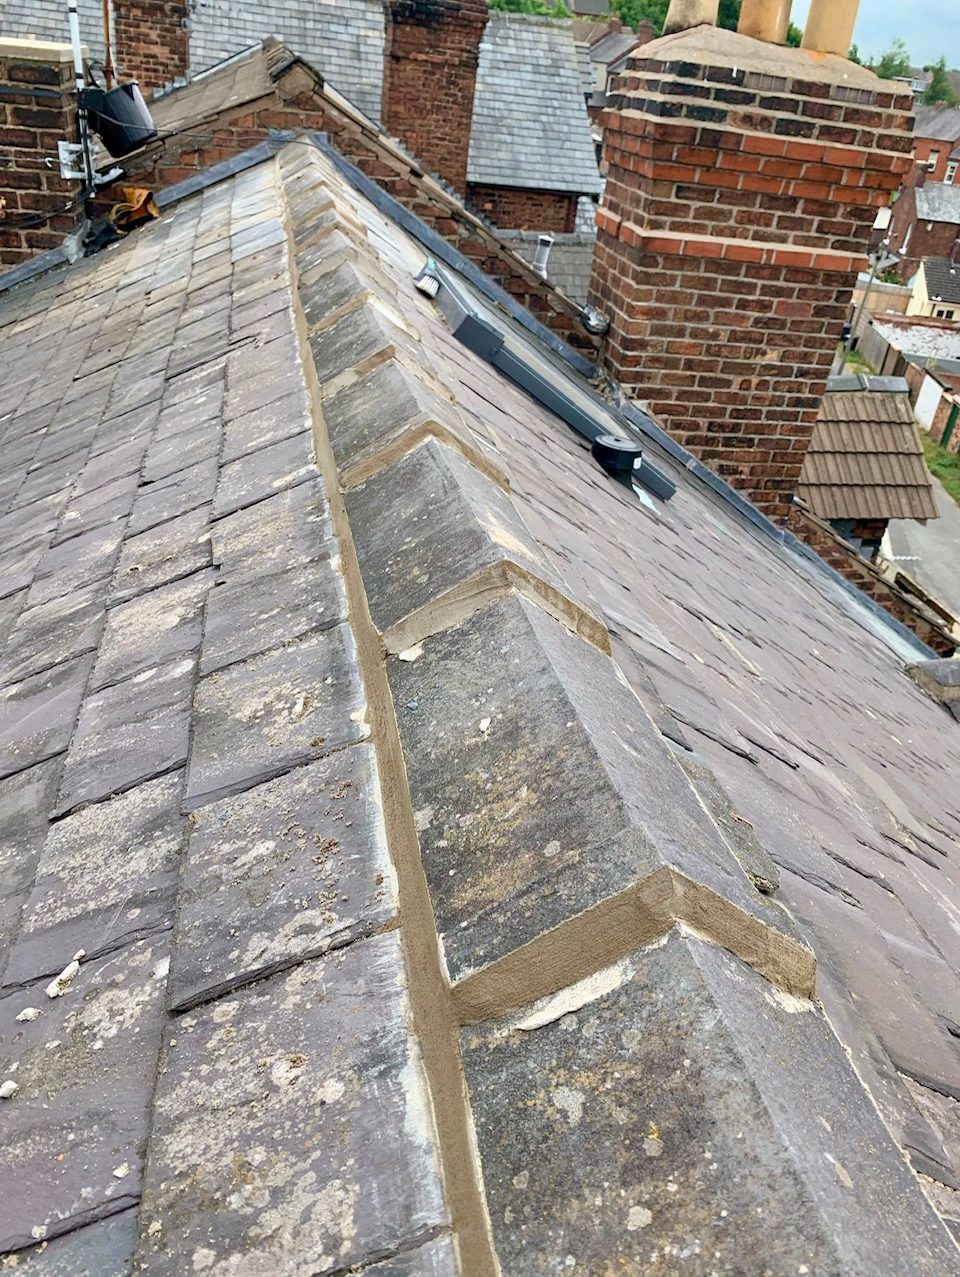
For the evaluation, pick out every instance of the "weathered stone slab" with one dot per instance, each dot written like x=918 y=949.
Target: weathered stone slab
x=292 y=1134
x=284 y=417
x=106 y=875
x=939 y=678
x=430 y=522
x=173 y=453
x=39 y=519
x=67 y=626
x=323 y=295
x=257 y=719
x=286 y=871
x=129 y=733
x=152 y=629
x=26 y=800
x=286 y=530
x=103 y=1249
x=263 y=473
x=168 y=498
x=164 y=553
x=86 y=1069
x=10 y=609
x=125 y=458
x=75 y=563
x=434 y=1259
x=678 y=1112
x=254 y=616
x=356 y=338
x=542 y=789
x=109 y=504
x=18 y=565
x=37 y=714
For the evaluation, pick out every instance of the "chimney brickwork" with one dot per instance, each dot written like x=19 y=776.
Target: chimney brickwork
x=743 y=181
x=429 y=75
x=37 y=110
x=152 y=41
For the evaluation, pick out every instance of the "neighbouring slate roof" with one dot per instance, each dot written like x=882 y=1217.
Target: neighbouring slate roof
x=939 y=122
x=865 y=460
x=937 y=338
x=942 y=278
x=530 y=122
x=614 y=46
x=419 y=795
x=938 y=202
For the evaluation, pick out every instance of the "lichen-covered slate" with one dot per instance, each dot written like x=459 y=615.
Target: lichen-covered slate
x=291 y=528
x=107 y=875
x=171 y=615
x=358 y=336
x=255 y=615
x=163 y=553
x=283 y=418
x=283 y=872
x=292 y=1135
x=258 y=718
x=128 y=733
x=26 y=800
x=676 y=1113
x=433 y=1259
x=540 y=786
x=166 y=500
x=75 y=563
x=46 y=635
x=86 y=1069
x=263 y=473
x=38 y=713
x=429 y=522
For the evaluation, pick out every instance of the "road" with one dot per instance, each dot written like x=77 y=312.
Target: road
x=931 y=552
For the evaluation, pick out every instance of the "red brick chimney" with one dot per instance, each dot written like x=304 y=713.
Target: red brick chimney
x=152 y=41
x=429 y=76
x=37 y=109
x=743 y=182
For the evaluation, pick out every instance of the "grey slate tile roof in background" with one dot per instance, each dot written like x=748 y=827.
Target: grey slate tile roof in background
x=942 y=279
x=759 y=710
x=570 y=261
x=938 y=202
x=940 y=122
x=530 y=123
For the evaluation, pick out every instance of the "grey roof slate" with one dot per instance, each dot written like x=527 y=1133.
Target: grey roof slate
x=638 y=1048
x=938 y=202
x=942 y=279
x=939 y=122
x=530 y=123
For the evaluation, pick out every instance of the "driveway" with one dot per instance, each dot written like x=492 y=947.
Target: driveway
x=931 y=552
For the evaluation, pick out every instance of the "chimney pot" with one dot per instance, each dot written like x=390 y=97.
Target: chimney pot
x=765 y=20
x=684 y=14
x=830 y=26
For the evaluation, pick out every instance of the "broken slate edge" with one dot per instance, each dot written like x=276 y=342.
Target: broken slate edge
x=101 y=1249
x=286 y=871
x=938 y=678
x=736 y=1094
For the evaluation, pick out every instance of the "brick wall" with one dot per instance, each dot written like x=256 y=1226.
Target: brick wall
x=152 y=42
x=516 y=209
x=37 y=109
x=429 y=76
x=923 y=150
x=914 y=239
x=739 y=207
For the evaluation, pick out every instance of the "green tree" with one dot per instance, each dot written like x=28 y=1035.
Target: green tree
x=894 y=63
x=940 y=89
x=794 y=36
x=729 y=14
x=854 y=55
x=633 y=12
x=541 y=7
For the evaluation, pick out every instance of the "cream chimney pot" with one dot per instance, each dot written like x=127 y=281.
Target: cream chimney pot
x=830 y=26
x=684 y=14
x=765 y=20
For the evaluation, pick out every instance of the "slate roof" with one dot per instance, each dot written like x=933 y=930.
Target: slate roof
x=415 y=927
x=931 y=337
x=938 y=202
x=939 y=122
x=530 y=123
x=943 y=279
x=865 y=460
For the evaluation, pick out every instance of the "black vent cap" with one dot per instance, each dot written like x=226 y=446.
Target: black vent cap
x=616 y=455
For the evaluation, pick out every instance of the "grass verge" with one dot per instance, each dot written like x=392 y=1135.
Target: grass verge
x=944 y=465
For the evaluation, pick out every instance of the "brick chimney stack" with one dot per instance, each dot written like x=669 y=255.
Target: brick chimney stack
x=429 y=77
x=152 y=41
x=743 y=183
x=38 y=108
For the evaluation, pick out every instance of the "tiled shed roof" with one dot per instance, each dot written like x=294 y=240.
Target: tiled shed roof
x=865 y=460
x=415 y=928
x=530 y=123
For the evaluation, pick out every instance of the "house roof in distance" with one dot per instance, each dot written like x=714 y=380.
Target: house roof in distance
x=939 y=122
x=865 y=460
x=448 y=830
x=942 y=276
x=938 y=338
x=938 y=202
x=530 y=122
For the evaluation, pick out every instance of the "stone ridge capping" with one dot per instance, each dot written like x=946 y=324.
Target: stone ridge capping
x=445 y=557
x=659 y=1096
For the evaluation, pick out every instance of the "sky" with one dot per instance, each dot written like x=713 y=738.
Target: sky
x=928 y=27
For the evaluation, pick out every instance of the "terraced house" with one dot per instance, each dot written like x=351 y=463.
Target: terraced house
x=449 y=822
